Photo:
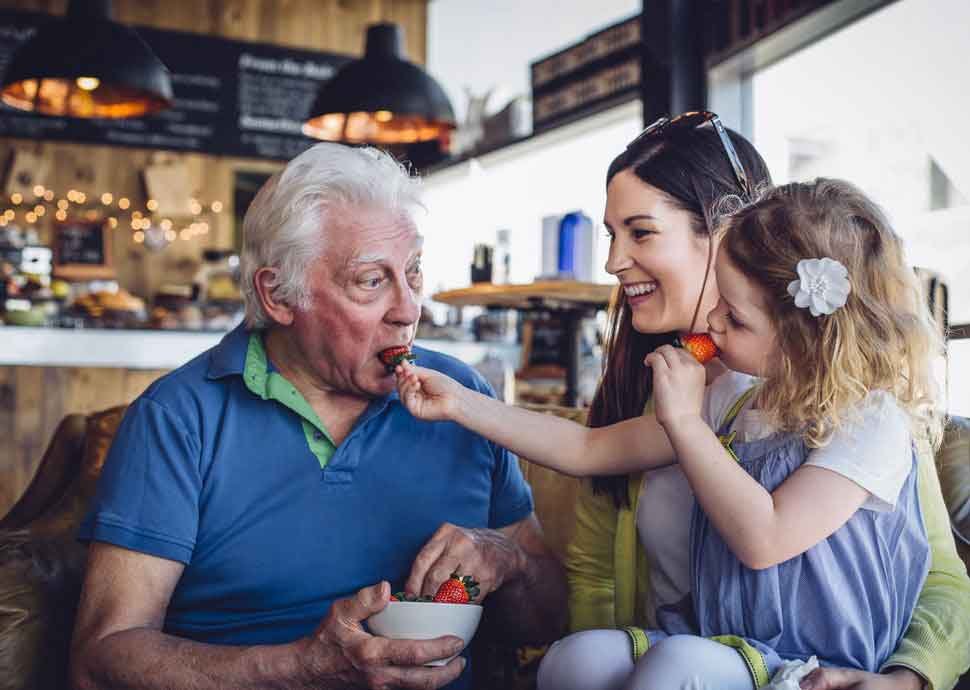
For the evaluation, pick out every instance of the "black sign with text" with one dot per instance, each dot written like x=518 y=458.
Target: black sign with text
x=232 y=98
x=81 y=244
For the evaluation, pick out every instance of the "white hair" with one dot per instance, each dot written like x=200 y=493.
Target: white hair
x=288 y=220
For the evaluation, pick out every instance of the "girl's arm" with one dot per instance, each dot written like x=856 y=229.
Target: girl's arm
x=761 y=528
x=556 y=443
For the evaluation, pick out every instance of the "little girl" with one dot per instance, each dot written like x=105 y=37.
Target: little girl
x=806 y=536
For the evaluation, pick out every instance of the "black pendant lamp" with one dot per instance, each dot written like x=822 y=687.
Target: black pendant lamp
x=381 y=98
x=86 y=65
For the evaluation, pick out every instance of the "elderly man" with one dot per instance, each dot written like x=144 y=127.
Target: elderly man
x=259 y=502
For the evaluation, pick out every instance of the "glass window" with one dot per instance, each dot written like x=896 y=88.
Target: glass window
x=475 y=48
x=883 y=103
x=513 y=189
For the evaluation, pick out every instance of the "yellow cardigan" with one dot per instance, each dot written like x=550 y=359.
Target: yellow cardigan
x=609 y=584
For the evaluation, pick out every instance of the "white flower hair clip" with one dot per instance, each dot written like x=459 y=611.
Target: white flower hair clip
x=822 y=285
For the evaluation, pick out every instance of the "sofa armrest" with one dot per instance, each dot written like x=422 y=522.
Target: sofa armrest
x=40 y=582
x=953 y=464
x=54 y=474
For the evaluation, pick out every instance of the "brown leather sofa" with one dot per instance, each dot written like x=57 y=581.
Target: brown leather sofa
x=41 y=564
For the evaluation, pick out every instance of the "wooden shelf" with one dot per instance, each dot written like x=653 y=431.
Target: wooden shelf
x=573 y=301
x=547 y=294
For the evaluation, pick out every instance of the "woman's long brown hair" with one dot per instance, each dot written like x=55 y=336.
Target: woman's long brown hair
x=692 y=169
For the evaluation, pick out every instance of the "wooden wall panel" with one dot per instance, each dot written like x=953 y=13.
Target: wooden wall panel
x=336 y=25
x=34 y=400
x=28 y=431
x=10 y=483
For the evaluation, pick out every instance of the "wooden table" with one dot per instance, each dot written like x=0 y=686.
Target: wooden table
x=570 y=300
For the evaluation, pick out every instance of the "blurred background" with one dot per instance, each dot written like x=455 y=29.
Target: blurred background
x=122 y=194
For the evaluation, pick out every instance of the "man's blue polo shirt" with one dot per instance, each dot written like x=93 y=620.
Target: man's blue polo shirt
x=238 y=480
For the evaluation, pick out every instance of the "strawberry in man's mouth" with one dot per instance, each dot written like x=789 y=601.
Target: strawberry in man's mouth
x=393 y=356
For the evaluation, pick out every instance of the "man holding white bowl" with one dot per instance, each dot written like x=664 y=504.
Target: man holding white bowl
x=259 y=502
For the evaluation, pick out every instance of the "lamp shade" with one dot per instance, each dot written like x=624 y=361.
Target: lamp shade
x=85 y=65
x=381 y=98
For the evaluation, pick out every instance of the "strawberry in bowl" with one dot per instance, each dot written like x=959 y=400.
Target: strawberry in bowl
x=457 y=589
x=450 y=611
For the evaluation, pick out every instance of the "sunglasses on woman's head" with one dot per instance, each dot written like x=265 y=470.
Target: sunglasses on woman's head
x=696 y=119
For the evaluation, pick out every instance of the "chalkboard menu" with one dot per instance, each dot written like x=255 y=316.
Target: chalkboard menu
x=232 y=98
x=82 y=251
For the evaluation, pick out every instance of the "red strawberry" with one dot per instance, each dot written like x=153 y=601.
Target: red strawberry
x=393 y=356
x=700 y=345
x=457 y=590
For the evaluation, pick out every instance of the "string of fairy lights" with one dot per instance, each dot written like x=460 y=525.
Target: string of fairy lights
x=115 y=210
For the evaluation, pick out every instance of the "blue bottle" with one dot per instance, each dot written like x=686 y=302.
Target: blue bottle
x=575 y=246
x=567 y=245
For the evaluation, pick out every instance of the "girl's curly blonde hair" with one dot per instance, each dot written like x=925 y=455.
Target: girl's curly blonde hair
x=882 y=339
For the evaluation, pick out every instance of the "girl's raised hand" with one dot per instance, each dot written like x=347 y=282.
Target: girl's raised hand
x=427 y=394
x=678 y=384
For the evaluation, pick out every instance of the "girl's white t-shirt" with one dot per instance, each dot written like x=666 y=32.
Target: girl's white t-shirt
x=874 y=450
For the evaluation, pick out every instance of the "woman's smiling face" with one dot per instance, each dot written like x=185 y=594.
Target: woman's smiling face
x=657 y=257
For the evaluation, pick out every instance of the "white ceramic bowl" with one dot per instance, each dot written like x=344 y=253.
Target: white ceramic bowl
x=422 y=620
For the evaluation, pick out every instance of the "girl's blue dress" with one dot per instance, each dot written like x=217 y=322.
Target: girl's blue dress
x=847 y=600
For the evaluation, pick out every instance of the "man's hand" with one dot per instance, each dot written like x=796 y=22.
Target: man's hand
x=487 y=555
x=830 y=678
x=341 y=650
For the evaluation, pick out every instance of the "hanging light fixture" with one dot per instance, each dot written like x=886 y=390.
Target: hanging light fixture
x=86 y=65
x=381 y=98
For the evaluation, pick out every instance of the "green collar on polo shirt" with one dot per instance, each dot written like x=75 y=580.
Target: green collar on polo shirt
x=264 y=381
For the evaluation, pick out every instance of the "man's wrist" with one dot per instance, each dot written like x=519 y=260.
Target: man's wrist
x=521 y=561
x=300 y=662
x=516 y=560
x=304 y=664
x=906 y=678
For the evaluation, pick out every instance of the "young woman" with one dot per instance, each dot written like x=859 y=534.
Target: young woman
x=663 y=193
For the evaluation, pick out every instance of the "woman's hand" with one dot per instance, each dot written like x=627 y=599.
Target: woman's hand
x=426 y=393
x=831 y=678
x=678 y=384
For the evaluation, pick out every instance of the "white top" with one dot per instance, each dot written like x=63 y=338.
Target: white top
x=873 y=450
